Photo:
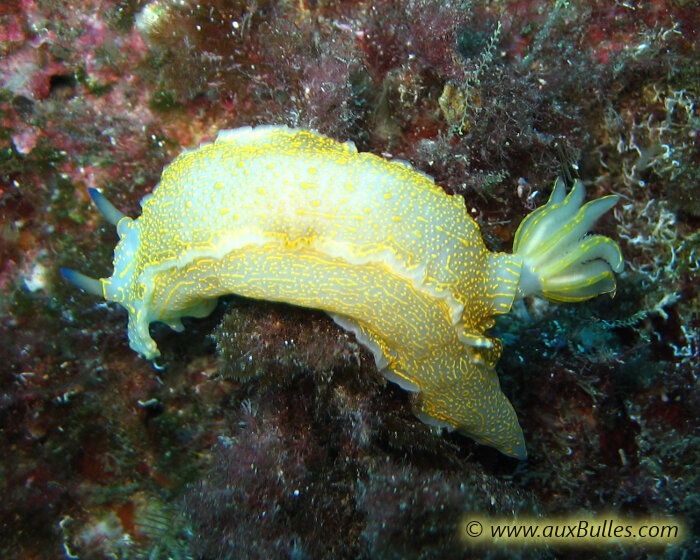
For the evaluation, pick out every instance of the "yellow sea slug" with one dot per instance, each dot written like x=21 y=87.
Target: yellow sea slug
x=290 y=215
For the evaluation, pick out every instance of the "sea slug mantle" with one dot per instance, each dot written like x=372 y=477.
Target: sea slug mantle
x=290 y=215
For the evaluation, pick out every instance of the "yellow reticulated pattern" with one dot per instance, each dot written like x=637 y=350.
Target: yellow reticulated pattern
x=292 y=216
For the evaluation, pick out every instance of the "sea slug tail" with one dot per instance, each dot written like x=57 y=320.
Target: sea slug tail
x=460 y=391
x=561 y=261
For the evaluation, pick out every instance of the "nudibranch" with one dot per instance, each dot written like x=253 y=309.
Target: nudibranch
x=292 y=216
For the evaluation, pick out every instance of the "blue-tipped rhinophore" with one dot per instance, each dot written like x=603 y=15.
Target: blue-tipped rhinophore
x=106 y=208
x=85 y=283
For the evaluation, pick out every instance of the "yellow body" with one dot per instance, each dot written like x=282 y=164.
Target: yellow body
x=292 y=216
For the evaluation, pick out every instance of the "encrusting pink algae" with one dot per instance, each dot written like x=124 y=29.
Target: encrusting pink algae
x=265 y=430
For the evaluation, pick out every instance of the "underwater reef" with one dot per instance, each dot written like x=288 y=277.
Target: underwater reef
x=264 y=430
